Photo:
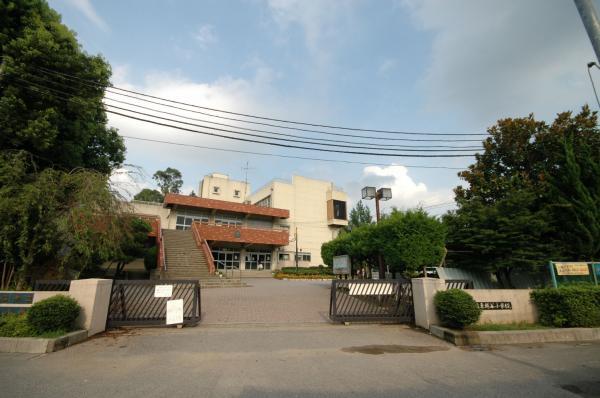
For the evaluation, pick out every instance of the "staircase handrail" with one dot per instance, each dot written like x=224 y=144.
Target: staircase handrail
x=203 y=245
x=163 y=255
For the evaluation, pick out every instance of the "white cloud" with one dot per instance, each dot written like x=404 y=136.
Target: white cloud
x=406 y=192
x=492 y=59
x=128 y=181
x=86 y=7
x=205 y=35
x=387 y=66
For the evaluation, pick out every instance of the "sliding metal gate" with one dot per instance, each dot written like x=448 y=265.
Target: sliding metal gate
x=371 y=301
x=132 y=302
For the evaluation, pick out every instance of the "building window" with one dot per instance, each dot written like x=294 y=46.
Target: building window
x=339 y=210
x=184 y=220
x=304 y=257
x=236 y=193
x=216 y=190
x=264 y=202
x=228 y=220
x=284 y=257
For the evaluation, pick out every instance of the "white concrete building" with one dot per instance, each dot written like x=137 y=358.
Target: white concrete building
x=318 y=211
x=219 y=186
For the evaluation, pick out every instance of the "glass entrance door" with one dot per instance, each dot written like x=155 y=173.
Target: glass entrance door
x=258 y=260
x=226 y=259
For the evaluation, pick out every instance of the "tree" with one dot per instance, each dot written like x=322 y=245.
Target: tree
x=359 y=215
x=533 y=196
x=57 y=116
x=133 y=245
x=411 y=240
x=193 y=193
x=408 y=241
x=149 y=195
x=168 y=180
x=55 y=221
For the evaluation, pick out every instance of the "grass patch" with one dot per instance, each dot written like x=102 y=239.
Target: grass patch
x=497 y=327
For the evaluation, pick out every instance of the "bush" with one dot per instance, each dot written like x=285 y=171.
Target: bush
x=320 y=270
x=569 y=306
x=15 y=325
x=54 y=313
x=456 y=308
x=150 y=259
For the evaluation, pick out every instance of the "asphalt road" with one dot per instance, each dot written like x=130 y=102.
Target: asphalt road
x=310 y=360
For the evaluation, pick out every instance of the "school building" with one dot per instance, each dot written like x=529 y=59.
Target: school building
x=227 y=227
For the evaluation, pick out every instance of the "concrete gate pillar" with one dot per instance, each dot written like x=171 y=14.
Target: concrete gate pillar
x=424 y=289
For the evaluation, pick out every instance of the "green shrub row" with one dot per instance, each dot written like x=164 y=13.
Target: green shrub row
x=456 y=308
x=54 y=314
x=568 y=306
x=320 y=270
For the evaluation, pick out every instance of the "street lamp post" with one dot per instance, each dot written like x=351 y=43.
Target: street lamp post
x=369 y=193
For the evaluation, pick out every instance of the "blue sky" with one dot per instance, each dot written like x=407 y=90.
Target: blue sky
x=422 y=66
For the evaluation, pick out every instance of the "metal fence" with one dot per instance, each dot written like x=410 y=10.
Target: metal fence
x=371 y=301
x=57 y=285
x=132 y=302
x=459 y=284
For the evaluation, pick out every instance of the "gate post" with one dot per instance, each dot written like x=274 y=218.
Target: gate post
x=424 y=289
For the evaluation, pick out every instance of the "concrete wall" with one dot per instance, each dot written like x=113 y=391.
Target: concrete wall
x=523 y=309
x=93 y=295
x=154 y=209
x=227 y=188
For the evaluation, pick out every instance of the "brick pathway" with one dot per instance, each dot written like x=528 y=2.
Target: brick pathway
x=267 y=301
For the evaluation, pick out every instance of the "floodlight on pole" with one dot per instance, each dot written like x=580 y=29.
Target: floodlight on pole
x=369 y=193
x=377 y=194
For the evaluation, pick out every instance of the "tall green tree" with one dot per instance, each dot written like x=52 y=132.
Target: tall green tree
x=168 y=180
x=57 y=118
x=149 y=195
x=359 y=215
x=532 y=196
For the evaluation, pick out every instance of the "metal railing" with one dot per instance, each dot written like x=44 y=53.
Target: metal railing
x=371 y=301
x=132 y=302
x=58 y=285
x=459 y=284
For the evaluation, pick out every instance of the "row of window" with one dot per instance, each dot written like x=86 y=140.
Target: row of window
x=184 y=220
x=257 y=260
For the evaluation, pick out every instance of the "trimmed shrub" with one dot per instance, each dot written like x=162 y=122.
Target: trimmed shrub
x=54 y=313
x=456 y=308
x=307 y=270
x=568 y=306
x=150 y=258
x=15 y=325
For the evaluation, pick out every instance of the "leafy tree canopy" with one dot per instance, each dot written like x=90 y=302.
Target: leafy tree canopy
x=168 y=180
x=408 y=241
x=533 y=195
x=64 y=222
x=149 y=195
x=58 y=119
x=359 y=215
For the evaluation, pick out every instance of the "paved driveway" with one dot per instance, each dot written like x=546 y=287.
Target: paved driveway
x=267 y=301
x=317 y=360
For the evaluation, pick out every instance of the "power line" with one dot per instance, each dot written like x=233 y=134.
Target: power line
x=290 y=156
x=255 y=116
x=108 y=90
x=95 y=84
x=257 y=141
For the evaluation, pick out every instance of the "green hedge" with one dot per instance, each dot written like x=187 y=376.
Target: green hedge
x=15 y=325
x=54 y=313
x=456 y=308
x=320 y=270
x=568 y=306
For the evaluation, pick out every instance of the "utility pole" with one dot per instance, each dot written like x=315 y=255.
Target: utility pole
x=378 y=194
x=590 y=20
x=296 y=239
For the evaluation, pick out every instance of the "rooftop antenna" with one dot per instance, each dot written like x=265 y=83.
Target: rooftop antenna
x=245 y=170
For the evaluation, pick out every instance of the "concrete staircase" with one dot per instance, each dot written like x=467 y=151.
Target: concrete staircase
x=185 y=260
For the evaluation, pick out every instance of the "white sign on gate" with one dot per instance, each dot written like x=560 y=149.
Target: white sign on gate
x=174 y=312
x=370 y=289
x=163 y=290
